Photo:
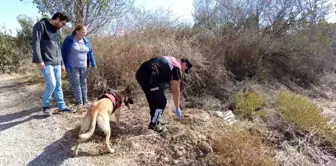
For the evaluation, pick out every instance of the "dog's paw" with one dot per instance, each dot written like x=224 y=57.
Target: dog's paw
x=74 y=154
x=121 y=128
x=111 y=150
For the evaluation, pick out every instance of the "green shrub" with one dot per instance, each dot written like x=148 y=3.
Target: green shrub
x=328 y=132
x=247 y=103
x=300 y=111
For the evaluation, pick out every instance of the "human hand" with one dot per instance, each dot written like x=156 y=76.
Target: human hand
x=41 y=65
x=178 y=113
x=63 y=68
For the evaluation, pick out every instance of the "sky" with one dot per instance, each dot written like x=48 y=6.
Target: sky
x=11 y=9
x=181 y=8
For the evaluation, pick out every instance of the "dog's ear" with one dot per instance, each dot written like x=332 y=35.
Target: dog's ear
x=108 y=90
x=130 y=100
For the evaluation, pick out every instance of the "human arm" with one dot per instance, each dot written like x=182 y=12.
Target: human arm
x=176 y=90
x=62 y=62
x=37 y=36
x=65 y=51
x=91 y=54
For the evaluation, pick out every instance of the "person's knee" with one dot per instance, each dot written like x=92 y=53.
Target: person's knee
x=51 y=84
x=163 y=100
x=74 y=84
x=58 y=84
x=83 y=83
x=163 y=103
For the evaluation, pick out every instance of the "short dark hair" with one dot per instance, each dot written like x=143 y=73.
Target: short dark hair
x=61 y=16
x=188 y=62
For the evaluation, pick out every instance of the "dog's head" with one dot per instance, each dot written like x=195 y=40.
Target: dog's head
x=126 y=95
x=128 y=98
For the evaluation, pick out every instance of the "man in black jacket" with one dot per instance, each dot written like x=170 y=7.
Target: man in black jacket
x=47 y=55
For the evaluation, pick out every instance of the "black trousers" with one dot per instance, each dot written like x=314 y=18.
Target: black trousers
x=154 y=94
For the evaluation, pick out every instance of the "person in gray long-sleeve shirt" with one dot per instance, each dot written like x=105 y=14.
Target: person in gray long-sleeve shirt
x=47 y=55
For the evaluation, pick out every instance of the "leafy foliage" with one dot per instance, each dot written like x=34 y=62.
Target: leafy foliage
x=14 y=50
x=94 y=13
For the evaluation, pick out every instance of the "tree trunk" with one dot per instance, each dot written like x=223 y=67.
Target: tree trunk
x=79 y=12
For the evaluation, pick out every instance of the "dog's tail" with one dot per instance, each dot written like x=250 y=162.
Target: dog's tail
x=87 y=135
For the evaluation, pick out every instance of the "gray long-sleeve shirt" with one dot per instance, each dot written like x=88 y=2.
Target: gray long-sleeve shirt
x=78 y=54
x=46 y=43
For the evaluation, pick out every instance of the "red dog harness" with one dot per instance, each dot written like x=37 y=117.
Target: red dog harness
x=115 y=99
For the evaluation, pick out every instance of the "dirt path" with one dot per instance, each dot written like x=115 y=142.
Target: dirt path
x=29 y=138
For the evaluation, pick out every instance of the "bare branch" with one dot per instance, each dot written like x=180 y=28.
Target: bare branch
x=94 y=13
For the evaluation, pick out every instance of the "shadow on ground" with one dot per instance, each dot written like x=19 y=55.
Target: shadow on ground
x=60 y=150
x=116 y=133
x=18 y=115
x=57 y=152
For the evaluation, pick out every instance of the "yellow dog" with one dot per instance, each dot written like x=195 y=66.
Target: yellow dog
x=100 y=112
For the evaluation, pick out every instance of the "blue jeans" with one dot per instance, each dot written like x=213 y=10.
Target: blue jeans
x=78 y=82
x=52 y=77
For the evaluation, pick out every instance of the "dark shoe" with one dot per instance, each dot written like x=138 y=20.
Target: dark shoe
x=156 y=128
x=67 y=110
x=46 y=111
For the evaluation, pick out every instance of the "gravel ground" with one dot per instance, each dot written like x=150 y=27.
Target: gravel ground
x=29 y=138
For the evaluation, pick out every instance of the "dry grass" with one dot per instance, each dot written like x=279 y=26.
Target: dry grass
x=239 y=147
x=118 y=58
x=198 y=139
x=310 y=133
x=195 y=140
x=221 y=61
x=306 y=150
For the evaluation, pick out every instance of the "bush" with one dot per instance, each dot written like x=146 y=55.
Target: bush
x=300 y=111
x=329 y=133
x=14 y=51
x=247 y=103
x=118 y=58
x=243 y=54
x=305 y=117
x=240 y=148
x=299 y=57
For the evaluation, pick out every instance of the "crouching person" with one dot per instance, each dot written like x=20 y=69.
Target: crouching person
x=151 y=75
